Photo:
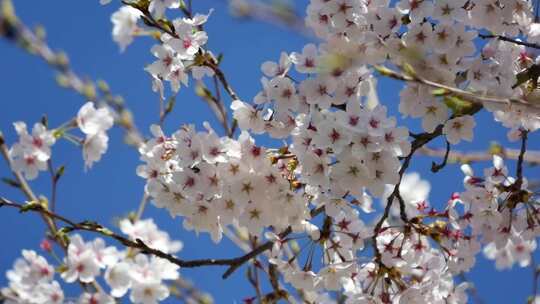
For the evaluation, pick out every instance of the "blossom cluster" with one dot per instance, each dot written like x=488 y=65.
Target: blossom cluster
x=32 y=279
x=340 y=149
x=343 y=149
x=33 y=151
x=212 y=182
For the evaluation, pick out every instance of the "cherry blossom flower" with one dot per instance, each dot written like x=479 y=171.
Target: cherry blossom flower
x=125 y=25
x=459 y=128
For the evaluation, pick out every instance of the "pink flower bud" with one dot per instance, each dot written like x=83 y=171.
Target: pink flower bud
x=45 y=245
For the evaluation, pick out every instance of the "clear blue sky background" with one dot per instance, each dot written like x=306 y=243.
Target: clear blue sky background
x=111 y=188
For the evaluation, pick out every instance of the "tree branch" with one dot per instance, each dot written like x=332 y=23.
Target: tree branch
x=521 y=157
x=419 y=141
x=233 y=263
x=437 y=167
x=511 y=40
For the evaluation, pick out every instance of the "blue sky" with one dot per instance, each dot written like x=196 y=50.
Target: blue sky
x=111 y=188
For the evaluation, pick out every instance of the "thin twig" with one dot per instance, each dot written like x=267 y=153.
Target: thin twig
x=519 y=167
x=419 y=141
x=142 y=206
x=54 y=183
x=511 y=40
x=437 y=167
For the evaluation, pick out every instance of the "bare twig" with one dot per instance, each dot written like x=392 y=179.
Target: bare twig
x=521 y=157
x=419 y=141
x=511 y=40
x=437 y=167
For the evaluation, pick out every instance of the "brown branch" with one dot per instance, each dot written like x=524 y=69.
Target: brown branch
x=420 y=141
x=521 y=157
x=511 y=40
x=437 y=167
x=233 y=263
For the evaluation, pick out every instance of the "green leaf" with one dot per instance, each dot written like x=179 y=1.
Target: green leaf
x=521 y=78
x=531 y=73
x=458 y=105
x=440 y=92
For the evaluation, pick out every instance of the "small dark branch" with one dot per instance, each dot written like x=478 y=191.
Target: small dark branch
x=189 y=8
x=223 y=80
x=402 y=208
x=252 y=254
x=233 y=263
x=275 y=296
x=221 y=107
x=437 y=167
x=419 y=141
x=511 y=40
x=273 y=276
x=265 y=246
x=519 y=167
x=55 y=177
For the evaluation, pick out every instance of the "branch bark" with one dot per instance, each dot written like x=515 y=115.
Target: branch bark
x=70 y=225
